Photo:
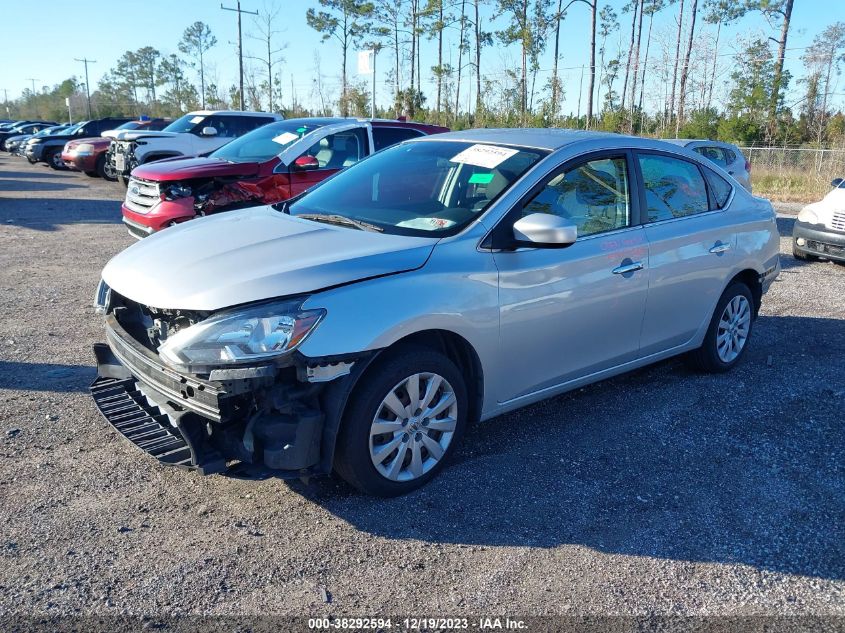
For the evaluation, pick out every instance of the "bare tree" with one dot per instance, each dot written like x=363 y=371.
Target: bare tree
x=264 y=22
x=685 y=70
x=631 y=6
x=677 y=58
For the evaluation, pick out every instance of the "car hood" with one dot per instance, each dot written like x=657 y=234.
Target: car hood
x=93 y=140
x=825 y=208
x=253 y=254
x=183 y=168
x=131 y=135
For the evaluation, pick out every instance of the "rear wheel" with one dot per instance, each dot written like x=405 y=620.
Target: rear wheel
x=729 y=331
x=402 y=423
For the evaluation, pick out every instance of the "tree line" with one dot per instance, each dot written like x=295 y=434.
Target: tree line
x=671 y=81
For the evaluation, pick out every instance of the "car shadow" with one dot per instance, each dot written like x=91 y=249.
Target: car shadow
x=45 y=376
x=17 y=185
x=744 y=467
x=47 y=214
x=6 y=174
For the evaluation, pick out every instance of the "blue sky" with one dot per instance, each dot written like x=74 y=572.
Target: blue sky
x=41 y=40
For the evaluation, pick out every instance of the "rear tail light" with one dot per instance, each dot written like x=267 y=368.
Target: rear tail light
x=747 y=166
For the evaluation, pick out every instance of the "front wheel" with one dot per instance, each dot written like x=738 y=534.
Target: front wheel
x=402 y=423
x=729 y=331
x=55 y=160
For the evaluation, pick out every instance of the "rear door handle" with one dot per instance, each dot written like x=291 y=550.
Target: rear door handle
x=628 y=268
x=720 y=248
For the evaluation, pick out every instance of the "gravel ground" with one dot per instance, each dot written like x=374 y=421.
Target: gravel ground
x=659 y=492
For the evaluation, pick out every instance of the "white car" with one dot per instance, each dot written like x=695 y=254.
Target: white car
x=819 y=230
x=194 y=134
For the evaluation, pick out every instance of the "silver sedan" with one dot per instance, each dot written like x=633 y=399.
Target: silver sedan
x=450 y=279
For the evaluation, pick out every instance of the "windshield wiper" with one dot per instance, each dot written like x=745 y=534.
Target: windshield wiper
x=342 y=220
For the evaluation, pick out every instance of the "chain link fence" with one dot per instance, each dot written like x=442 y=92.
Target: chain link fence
x=797 y=174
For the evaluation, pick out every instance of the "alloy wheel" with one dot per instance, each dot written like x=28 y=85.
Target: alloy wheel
x=413 y=427
x=734 y=326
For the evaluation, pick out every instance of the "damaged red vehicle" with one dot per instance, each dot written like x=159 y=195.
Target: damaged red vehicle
x=268 y=165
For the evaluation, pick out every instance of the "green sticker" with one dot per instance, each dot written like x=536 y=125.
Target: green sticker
x=480 y=179
x=300 y=129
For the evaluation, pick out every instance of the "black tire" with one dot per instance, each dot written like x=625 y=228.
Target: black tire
x=32 y=161
x=706 y=358
x=124 y=180
x=53 y=159
x=352 y=456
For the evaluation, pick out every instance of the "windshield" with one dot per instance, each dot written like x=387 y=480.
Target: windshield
x=77 y=130
x=70 y=130
x=426 y=188
x=129 y=125
x=185 y=123
x=265 y=142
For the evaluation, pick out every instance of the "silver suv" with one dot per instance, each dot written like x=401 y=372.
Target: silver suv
x=726 y=155
x=362 y=325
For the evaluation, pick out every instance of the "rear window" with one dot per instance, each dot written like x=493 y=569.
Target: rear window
x=720 y=189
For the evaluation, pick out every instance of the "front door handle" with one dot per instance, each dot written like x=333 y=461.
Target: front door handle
x=720 y=248
x=628 y=268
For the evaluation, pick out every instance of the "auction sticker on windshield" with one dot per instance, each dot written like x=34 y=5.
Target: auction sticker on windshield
x=488 y=156
x=285 y=137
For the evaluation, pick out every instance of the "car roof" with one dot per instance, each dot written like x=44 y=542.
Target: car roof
x=230 y=112
x=684 y=142
x=539 y=138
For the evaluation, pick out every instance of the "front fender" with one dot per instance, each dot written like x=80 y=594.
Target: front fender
x=455 y=291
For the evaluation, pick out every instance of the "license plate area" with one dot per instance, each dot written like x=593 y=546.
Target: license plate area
x=119 y=162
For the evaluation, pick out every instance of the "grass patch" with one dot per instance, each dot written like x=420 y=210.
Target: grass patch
x=789 y=185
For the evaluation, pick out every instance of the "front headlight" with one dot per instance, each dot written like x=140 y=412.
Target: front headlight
x=809 y=216
x=245 y=336
x=84 y=148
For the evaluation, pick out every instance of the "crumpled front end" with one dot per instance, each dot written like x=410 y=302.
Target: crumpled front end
x=268 y=417
x=122 y=157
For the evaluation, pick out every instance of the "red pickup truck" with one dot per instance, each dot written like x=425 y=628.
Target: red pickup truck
x=89 y=154
x=272 y=163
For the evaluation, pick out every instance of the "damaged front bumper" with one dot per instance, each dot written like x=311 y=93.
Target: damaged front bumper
x=256 y=419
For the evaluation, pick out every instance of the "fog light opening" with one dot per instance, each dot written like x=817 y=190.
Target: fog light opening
x=801 y=241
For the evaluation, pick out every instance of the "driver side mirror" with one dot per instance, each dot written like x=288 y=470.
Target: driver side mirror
x=304 y=163
x=209 y=131
x=544 y=230
x=836 y=182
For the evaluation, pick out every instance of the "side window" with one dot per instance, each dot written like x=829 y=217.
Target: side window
x=714 y=154
x=387 y=136
x=594 y=196
x=730 y=156
x=239 y=125
x=223 y=124
x=674 y=188
x=339 y=150
x=719 y=187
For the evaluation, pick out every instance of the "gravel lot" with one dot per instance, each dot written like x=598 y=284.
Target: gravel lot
x=660 y=492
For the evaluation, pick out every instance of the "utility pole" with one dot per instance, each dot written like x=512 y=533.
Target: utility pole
x=239 y=11
x=33 y=80
x=87 y=85
x=6 y=101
